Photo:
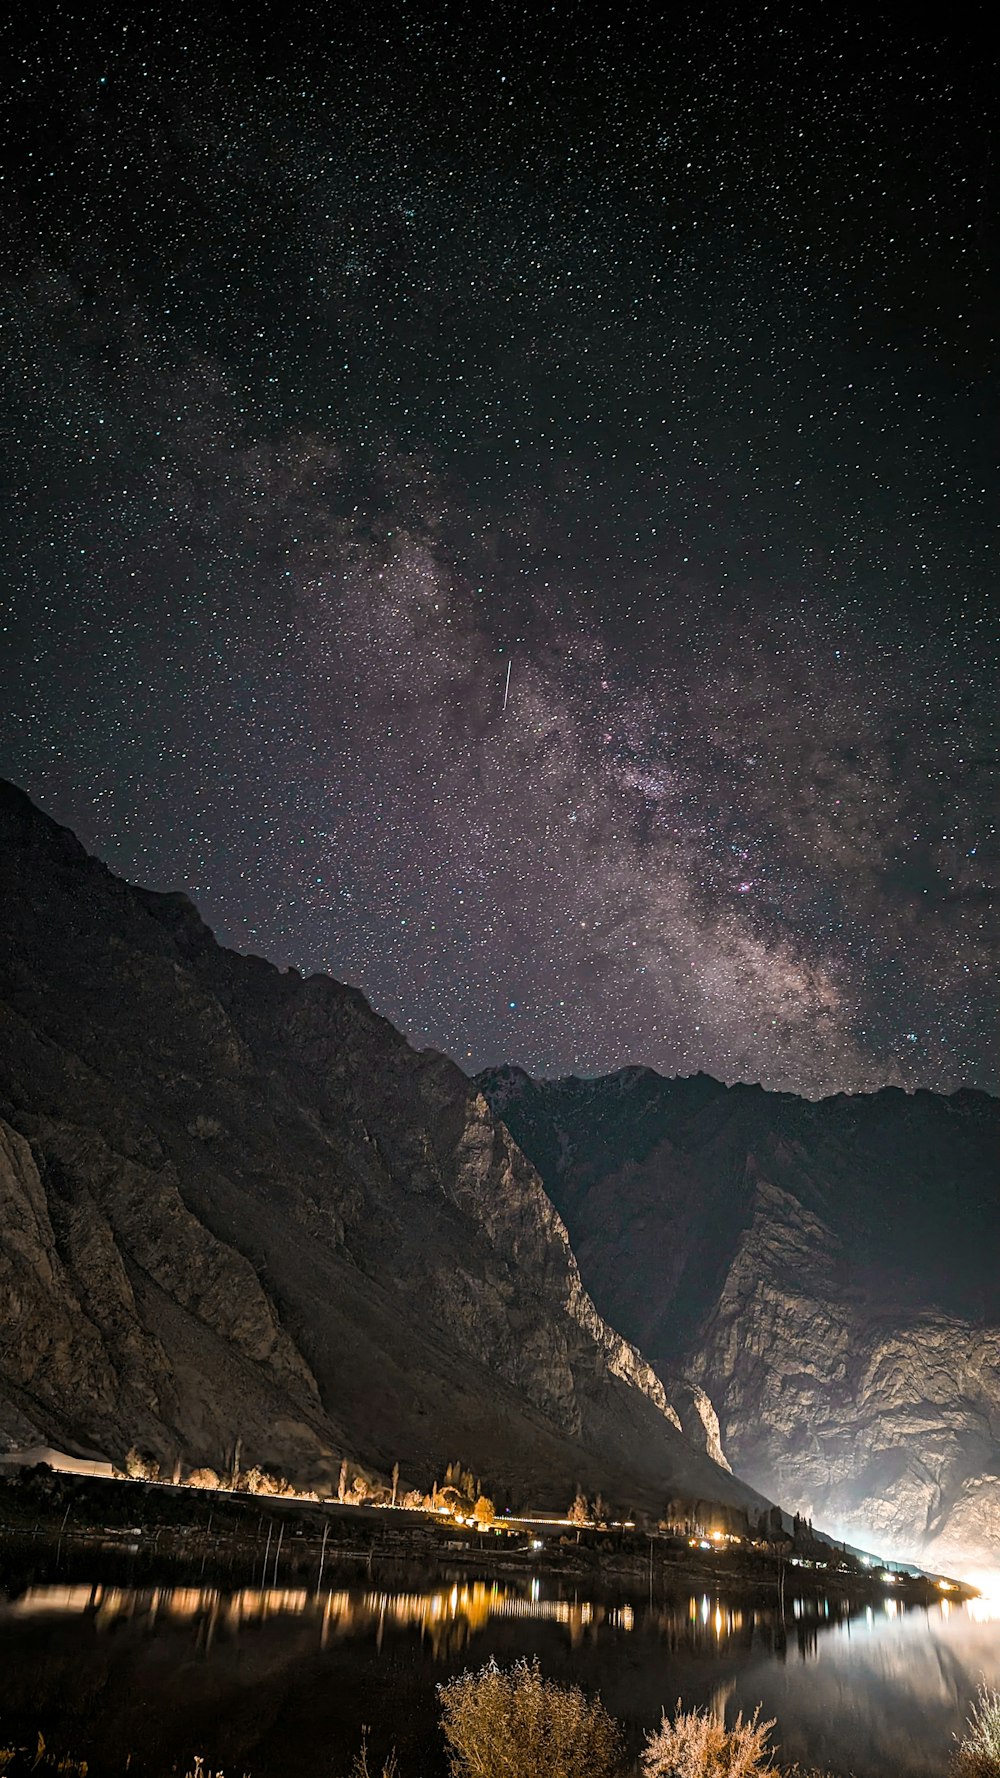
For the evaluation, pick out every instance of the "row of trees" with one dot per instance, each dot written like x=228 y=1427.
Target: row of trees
x=589 y=1512
x=460 y=1493
x=463 y=1495
x=141 y=1467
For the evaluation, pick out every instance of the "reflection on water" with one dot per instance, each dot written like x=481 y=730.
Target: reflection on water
x=888 y=1691
x=982 y=1611
x=873 y=1691
x=448 y=1617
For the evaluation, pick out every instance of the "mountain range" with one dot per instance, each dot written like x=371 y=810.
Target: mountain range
x=825 y=1273
x=240 y=1213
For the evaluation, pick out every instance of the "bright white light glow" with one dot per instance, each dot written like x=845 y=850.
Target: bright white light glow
x=986 y=1609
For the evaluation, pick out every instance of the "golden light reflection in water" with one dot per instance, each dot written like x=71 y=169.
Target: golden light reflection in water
x=447 y=1616
x=464 y=1608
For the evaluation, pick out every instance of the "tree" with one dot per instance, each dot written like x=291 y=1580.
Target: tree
x=203 y=1478
x=483 y=1512
x=395 y=1482
x=141 y=1467
x=342 y=1481
x=463 y=1481
x=579 y=1512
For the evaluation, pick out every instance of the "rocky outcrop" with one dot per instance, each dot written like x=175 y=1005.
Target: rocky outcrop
x=824 y=1273
x=239 y=1208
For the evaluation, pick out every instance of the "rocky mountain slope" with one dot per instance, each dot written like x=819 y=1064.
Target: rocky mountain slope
x=827 y=1274
x=236 y=1205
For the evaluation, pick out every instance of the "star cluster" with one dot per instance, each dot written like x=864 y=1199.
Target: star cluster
x=359 y=368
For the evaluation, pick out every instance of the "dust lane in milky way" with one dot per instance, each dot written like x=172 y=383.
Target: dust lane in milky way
x=508 y=522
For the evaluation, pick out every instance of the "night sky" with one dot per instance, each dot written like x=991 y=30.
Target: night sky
x=649 y=354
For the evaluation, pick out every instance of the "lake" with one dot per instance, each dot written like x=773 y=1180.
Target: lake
x=277 y=1681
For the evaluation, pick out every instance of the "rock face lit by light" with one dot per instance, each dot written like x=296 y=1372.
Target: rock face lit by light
x=824 y=1272
x=367 y=1187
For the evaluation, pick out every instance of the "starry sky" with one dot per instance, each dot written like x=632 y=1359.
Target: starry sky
x=358 y=360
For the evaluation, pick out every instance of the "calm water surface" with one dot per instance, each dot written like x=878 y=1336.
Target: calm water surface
x=281 y=1681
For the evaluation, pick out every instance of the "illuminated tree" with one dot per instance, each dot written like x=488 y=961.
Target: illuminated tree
x=483 y=1512
x=463 y=1481
x=579 y=1512
x=140 y=1467
x=203 y=1478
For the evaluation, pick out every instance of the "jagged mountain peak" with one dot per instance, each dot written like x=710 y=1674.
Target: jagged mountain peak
x=824 y=1269
x=238 y=1205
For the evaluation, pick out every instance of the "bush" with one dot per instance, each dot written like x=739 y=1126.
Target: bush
x=697 y=1745
x=516 y=1723
x=29 y=1759
x=203 y=1478
x=361 y=1768
x=978 y=1752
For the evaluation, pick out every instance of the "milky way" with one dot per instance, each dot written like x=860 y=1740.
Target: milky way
x=348 y=375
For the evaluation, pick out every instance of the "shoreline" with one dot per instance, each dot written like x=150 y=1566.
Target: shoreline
x=240 y=1539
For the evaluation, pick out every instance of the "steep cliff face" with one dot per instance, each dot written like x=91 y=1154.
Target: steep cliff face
x=236 y=1205
x=826 y=1273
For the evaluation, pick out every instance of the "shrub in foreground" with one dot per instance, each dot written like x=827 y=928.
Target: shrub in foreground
x=517 y=1724
x=978 y=1752
x=697 y=1745
x=361 y=1768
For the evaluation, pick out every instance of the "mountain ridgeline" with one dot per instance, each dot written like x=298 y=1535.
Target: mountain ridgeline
x=237 y=1209
x=827 y=1274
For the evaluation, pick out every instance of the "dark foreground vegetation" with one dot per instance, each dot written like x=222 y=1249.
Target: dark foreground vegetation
x=515 y=1723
